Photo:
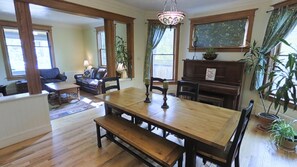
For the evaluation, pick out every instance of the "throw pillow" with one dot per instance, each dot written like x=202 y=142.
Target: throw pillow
x=87 y=73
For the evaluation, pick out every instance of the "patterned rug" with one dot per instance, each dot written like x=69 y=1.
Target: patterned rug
x=69 y=107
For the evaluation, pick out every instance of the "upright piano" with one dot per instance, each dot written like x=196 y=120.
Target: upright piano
x=219 y=81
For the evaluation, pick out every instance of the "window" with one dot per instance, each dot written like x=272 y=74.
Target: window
x=229 y=32
x=13 y=54
x=283 y=50
x=164 y=59
x=101 y=46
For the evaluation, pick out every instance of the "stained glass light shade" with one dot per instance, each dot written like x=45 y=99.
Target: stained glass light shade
x=171 y=18
x=170 y=15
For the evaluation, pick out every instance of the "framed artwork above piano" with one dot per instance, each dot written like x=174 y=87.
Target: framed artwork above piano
x=220 y=82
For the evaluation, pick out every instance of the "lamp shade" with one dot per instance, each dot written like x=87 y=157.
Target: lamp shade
x=86 y=63
x=171 y=18
x=170 y=15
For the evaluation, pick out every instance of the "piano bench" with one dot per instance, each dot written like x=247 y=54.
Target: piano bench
x=214 y=100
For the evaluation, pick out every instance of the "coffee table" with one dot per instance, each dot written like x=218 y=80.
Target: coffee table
x=64 y=87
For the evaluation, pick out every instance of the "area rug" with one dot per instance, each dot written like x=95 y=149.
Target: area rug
x=70 y=107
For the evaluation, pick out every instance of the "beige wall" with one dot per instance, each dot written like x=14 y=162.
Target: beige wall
x=90 y=43
x=69 y=48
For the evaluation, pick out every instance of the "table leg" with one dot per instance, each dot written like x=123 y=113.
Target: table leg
x=190 y=152
x=78 y=93
x=108 y=109
x=59 y=97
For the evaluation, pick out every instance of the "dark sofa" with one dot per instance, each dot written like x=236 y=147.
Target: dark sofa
x=91 y=80
x=50 y=76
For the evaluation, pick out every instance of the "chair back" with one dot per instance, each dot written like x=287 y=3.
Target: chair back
x=188 y=90
x=242 y=125
x=106 y=88
x=154 y=80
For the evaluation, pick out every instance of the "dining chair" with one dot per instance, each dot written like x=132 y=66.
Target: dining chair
x=107 y=85
x=188 y=90
x=225 y=157
x=155 y=80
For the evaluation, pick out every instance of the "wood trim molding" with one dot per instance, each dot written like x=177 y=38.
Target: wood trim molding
x=246 y=14
x=177 y=39
x=5 y=23
x=130 y=46
x=79 y=9
x=284 y=3
x=109 y=29
x=27 y=40
x=4 y=53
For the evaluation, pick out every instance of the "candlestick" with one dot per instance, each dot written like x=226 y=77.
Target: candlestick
x=165 y=85
x=146 y=81
x=147 y=99
x=165 y=106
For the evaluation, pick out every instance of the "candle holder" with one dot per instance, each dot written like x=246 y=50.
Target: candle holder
x=147 y=99
x=165 y=106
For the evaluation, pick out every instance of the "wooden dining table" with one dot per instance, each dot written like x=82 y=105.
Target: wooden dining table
x=200 y=124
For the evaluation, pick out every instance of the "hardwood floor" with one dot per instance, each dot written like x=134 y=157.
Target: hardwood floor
x=72 y=142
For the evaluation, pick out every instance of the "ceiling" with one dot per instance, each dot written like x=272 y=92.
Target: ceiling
x=188 y=6
x=40 y=13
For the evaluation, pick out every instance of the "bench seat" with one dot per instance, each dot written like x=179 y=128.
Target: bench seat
x=162 y=151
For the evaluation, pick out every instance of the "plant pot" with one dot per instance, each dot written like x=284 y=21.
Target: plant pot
x=210 y=56
x=265 y=120
x=288 y=143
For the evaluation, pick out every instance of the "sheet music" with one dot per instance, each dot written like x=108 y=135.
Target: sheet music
x=210 y=74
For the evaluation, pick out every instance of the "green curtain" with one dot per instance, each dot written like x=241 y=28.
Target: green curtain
x=281 y=22
x=155 y=34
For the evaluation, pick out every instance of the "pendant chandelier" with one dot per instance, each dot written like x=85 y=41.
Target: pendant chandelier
x=170 y=16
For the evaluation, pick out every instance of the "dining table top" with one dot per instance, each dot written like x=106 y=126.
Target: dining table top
x=211 y=125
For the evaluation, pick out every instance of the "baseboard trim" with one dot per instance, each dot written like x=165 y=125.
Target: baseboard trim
x=16 y=138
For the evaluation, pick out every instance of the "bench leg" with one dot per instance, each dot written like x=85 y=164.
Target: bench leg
x=98 y=136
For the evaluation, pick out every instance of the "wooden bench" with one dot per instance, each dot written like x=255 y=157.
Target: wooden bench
x=162 y=151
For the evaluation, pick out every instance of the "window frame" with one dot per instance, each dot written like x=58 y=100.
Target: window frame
x=270 y=66
x=176 y=40
x=246 y=14
x=13 y=25
x=99 y=55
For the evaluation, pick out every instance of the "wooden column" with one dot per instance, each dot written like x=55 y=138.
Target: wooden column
x=130 y=45
x=27 y=41
x=109 y=29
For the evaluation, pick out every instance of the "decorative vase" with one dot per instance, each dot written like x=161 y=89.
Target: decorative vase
x=210 y=56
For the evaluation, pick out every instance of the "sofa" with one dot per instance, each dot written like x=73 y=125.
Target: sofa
x=51 y=76
x=91 y=80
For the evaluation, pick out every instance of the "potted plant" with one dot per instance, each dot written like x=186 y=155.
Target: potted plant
x=210 y=54
x=284 y=134
x=122 y=57
x=255 y=63
x=281 y=85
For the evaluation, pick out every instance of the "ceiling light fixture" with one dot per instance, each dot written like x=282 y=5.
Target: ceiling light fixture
x=170 y=16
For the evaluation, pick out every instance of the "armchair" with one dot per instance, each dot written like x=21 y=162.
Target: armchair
x=50 y=76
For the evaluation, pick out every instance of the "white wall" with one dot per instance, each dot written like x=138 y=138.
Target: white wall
x=20 y=121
